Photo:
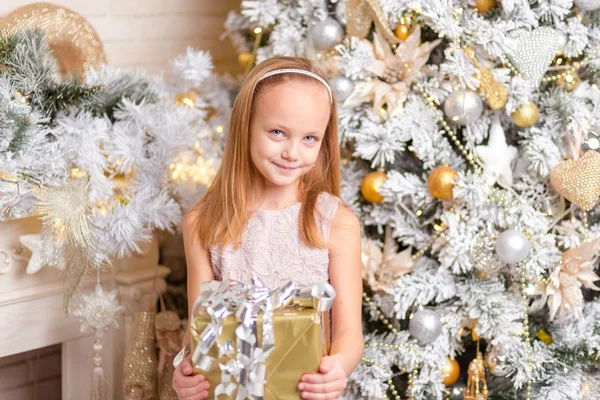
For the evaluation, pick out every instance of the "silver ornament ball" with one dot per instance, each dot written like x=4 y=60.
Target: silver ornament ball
x=326 y=34
x=425 y=326
x=463 y=107
x=342 y=87
x=587 y=5
x=512 y=246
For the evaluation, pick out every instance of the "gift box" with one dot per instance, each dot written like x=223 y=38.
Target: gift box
x=253 y=343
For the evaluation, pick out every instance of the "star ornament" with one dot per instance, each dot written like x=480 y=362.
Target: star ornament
x=498 y=156
x=44 y=252
x=98 y=310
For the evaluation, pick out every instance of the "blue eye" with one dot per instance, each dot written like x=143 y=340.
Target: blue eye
x=311 y=139
x=276 y=132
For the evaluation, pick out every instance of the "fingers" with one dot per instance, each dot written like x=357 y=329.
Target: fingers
x=195 y=393
x=320 y=378
x=186 y=366
x=188 y=386
x=323 y=388
x=322 y=396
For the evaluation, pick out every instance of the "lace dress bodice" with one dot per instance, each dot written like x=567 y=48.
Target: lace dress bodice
x=272 y=249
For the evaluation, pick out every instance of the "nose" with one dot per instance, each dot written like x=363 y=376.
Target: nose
x=290 y=152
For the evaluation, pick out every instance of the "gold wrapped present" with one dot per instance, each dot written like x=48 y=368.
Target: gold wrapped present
x=250 y=343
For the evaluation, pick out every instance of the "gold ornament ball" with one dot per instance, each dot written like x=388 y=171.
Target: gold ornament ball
x=402 y=31
x=451 y=372
x=526 y=115
x=441 y=182
x=244 y=58
x=370 y=184
x=483 y=6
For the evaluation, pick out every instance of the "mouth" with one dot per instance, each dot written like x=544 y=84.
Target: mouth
x=283 y=167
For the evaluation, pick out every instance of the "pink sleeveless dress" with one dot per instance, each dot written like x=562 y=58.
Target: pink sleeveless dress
x=271 y=248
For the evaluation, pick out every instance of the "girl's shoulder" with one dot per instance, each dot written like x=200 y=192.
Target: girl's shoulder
x=327 y=205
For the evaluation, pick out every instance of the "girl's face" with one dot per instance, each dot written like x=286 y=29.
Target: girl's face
x=287 y=129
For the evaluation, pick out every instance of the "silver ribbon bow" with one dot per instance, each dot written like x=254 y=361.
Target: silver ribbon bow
x=247 y=371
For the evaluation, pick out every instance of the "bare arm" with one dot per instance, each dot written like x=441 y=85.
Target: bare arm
x=346 y=277
x=198 y=262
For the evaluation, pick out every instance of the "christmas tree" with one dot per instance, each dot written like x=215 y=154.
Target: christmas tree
x=470 y=134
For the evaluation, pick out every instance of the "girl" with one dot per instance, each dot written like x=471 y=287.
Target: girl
x=273 y=211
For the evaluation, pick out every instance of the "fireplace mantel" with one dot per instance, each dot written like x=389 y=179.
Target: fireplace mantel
x=32 y=316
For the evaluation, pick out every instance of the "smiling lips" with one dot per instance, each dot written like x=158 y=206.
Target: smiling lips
x=287 y=169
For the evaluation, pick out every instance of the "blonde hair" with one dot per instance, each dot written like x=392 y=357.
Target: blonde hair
x=224 y=209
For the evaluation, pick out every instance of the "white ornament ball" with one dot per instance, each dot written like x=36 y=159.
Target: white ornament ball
x=463 y=107
x=587 y=5
x=425 y=326
x=512 y=246
x=342 y=87
x=326 y=34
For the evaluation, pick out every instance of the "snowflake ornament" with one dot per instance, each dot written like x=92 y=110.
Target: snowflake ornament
x=98 y=310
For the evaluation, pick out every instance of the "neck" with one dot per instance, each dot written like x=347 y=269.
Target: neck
x=273 y=197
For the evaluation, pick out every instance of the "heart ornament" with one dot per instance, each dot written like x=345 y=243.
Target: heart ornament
x=578 y=181
x=534 y=51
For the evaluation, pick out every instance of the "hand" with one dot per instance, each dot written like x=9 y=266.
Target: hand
x=188 y=386
x=328 y=384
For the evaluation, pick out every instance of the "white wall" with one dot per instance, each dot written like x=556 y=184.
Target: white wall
x=147 y=33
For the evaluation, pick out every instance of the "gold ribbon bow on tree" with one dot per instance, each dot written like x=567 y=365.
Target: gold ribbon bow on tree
x=361 y=13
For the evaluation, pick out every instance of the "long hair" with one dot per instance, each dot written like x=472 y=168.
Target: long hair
x=224 y=210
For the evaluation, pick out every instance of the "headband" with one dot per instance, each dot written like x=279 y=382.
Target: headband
x=298 y=71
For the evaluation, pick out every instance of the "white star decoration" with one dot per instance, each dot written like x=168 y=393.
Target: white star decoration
x=40 y=256
x=497 y=156
x=98 y=310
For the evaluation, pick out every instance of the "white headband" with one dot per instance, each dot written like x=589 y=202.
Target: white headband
x=298 y=71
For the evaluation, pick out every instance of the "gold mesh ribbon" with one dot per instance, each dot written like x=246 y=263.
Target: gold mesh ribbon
x=74 y=42
x=361 y=13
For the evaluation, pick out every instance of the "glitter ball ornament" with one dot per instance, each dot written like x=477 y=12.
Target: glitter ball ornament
x=512 y=246
x=441 y=182
x=370 y=184
x=425 y=326
x=463 y=106
x=451 y=372
x=587 y=5
x=326 y=34
x=526 y=115
x=244 y=58
x=577 y=181
x=483 y=252
x=534 y=52
x=402 y=31
x=483 y=6
x=342 y=87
